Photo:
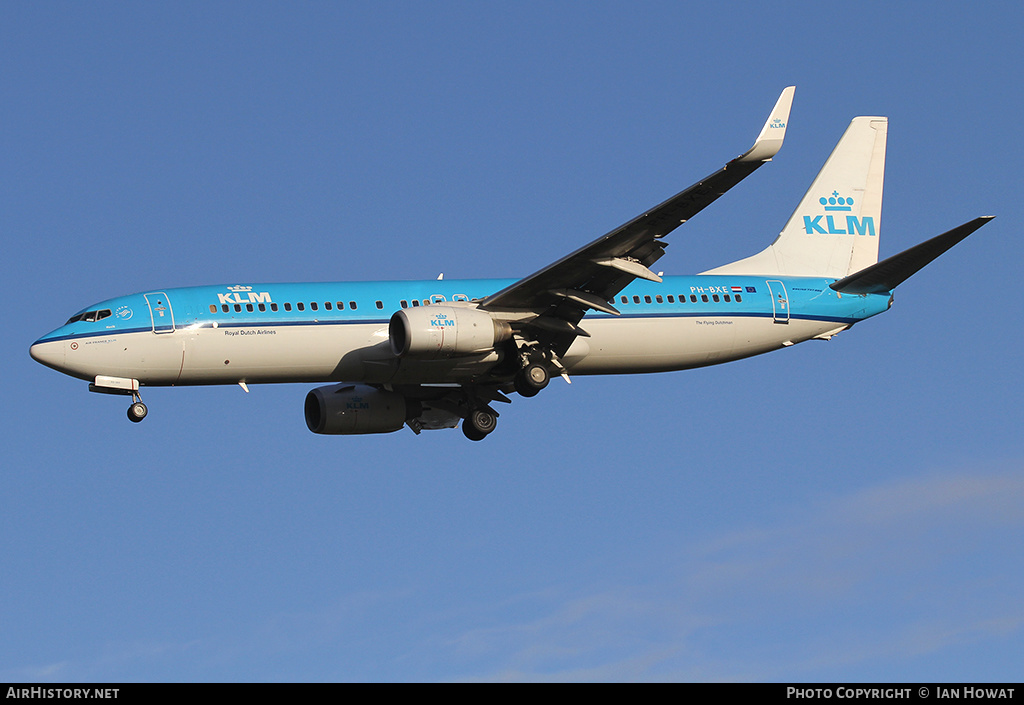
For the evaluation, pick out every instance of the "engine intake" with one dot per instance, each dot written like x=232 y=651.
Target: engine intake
x=440 y=332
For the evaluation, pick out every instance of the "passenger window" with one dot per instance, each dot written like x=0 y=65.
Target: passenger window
x=625 y=299
x=224 y=308
x=671 y=299
x=714 y=297
x=647 y=299
x=313 y=306
x=301 y=306
x=213 y=308
x=380 y=304
x=327 y=305
x=659 y=299
x=704 y=298
x=727 y=298
x=352 y=305
x=403 y=303
x=739 y=299
x=238 y=308
x=262 y=307
x=636 y=299
x=273 y=307
x=415 y=302
x=693 y=298
x=248 y=307
x=287 y=307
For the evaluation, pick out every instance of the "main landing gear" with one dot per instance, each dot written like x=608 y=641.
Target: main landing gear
x=531 y=379
x=479 y=423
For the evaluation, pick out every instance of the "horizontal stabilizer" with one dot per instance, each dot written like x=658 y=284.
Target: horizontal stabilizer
x=886 y=275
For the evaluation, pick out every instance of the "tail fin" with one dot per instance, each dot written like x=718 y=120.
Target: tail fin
x=834 y=231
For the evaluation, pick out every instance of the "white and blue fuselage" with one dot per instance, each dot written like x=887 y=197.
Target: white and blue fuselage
x=333 y=332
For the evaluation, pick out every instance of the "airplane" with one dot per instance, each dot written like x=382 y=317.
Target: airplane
x=435 y=354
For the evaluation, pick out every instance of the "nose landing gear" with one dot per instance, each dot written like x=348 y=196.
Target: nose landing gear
x=125 y=387
x=137 y=411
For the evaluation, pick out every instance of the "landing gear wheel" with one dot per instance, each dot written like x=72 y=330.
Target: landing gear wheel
x=478 y=424
x=137 y=411
x=531 y=379
x=471 y=433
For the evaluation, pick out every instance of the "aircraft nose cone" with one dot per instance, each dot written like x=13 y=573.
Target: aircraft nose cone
x=48 y=352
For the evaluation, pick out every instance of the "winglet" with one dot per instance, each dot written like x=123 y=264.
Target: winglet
x=769 y=141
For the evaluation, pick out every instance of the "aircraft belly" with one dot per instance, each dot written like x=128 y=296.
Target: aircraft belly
x=623 y=346
x=463 y=368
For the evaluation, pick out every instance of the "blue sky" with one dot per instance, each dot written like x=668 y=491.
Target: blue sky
x=849 y=510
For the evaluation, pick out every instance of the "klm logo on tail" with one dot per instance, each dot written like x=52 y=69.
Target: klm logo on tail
x=827 y=225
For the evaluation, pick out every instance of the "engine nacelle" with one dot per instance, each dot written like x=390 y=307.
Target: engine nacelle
x=440 y=332
x=343 y=409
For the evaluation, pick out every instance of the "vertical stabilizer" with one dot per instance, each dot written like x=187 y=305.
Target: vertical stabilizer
x=835 y=229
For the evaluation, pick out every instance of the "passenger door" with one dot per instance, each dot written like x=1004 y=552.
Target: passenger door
x=160 y=312
x=780 y=301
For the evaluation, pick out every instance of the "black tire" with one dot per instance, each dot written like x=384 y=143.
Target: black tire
x=531 y=379
x=481 y=421
x=137 y=412
x=471 y=433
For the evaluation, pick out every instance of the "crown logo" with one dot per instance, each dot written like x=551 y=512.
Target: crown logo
x=239 y=288
x=835 y=202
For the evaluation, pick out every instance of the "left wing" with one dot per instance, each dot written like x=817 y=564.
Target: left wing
x=591 y=276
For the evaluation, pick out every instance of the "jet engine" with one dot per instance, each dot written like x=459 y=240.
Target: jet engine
x=440 y=332
x=343 y=409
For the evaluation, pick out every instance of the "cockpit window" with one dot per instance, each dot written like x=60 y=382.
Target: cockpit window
x=89 y=316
